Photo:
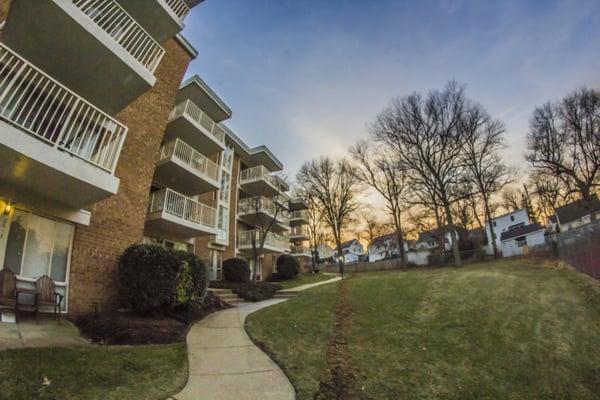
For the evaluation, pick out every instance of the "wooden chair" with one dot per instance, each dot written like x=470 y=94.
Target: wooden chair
x=8 y=291
x=47 y=296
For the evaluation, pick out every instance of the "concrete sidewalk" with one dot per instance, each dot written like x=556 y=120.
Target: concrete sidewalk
x=225 y=364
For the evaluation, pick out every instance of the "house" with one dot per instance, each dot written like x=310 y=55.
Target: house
x=428 y=240
x=519 y=241
x=551 y=224
x=385 y=246
x=503 y=223
x=577 y=213
x=352 y=250
x=94 y=156
x=324 y=252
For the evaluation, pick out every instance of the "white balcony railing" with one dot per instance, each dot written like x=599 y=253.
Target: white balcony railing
x=261 y=204
x=44 y=108
x=299 y=231
x=300 y=250
x=298 y=215
x=272 y=240
x=179 y=8
x=171 y=202
x=195 y=113
x=258 y=173
x=124 y=29
x=190 y=157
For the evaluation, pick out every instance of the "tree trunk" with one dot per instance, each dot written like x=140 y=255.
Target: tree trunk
x=398 y=226
x=488 y=217
x=454 y=236
x=340 y=255
x=440 y=237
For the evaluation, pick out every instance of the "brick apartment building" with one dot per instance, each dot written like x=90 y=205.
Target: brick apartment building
x=101 y=147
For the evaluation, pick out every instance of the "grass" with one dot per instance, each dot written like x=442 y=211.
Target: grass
x=304 y=279
x=298 y=345
x=507 y=330
x=108 y=373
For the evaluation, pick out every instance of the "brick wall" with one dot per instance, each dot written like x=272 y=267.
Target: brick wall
x=118 y=221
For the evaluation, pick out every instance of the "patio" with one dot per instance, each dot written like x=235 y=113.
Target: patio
x=48 y=333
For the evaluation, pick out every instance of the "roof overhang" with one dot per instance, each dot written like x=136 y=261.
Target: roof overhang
x=260 y=155
x=196 y=90
x=186 y=45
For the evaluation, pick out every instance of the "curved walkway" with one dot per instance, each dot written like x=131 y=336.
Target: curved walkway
x=225 y=364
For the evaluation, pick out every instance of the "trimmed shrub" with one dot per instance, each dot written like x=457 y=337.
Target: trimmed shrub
x=287 y=267
x=251 y=291
x=236 y=270
x=153 y=279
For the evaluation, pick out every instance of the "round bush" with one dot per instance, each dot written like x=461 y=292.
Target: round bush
x=152 y=278
x=236 y=270
x=287 y=267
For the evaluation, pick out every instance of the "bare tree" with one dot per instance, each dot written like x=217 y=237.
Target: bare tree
x=334 y=187
x=265 y=214
x=549 y=193
x=316 y=233
x=372 y=227
x=512 y=198
x=482 y=145
x=564 y=141
x=377 y=168
x=425 y=136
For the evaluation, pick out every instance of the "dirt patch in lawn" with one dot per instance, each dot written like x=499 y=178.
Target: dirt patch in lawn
x=341 y=371
x=128 y=328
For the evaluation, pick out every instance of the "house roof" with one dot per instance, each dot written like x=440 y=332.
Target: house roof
x=520 y=231
x=349 y=243
x=384 y=238
x=577 y=209
x=508 y=213
x=434 y=233
x=552 y=219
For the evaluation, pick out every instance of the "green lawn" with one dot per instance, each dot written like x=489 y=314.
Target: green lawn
x=303 y=279
x=509 y=330
x=107 y=373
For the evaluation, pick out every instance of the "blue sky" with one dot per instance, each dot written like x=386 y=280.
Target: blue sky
x=305 y=77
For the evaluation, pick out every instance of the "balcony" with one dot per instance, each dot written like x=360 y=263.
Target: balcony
x=300 y=251
x=259 y=181
x=111 y=57
x=261 y=211
x=274 y=243
x=298 y=233
x=53 y=143
x=162 y=18
x=190 y=124
x=185 y=170
x=298 y=218
x=175 y=215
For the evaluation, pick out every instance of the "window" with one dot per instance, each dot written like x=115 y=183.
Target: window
x=512 y=218
x=225 y=187
x=494 y=223
x=38 y=246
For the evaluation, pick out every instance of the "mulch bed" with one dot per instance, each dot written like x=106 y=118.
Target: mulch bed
x=338 y=386
x=128 y=328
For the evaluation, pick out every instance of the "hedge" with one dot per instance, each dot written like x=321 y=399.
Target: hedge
x=236 y=270
x=287 y=267
x=152 y=279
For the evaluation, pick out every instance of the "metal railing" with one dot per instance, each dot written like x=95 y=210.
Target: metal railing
x=36 y=103
x=261 y=204
x=298 y=231
x=179 y=8
x=186 y=153
x=300 y=250
x=169 y=201
x=272 y=240
x=124 y=29
x=196 y=114
x=257 y=173
x=298 y=215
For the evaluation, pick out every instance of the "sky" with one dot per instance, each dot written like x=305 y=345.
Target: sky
x=306 y=77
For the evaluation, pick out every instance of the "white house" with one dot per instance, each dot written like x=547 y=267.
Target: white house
x=502 y=224
x=518 y=241
x=385 y=246
x=576 y=214
x=353 y=250
x=429 y=239
x=324 y=251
